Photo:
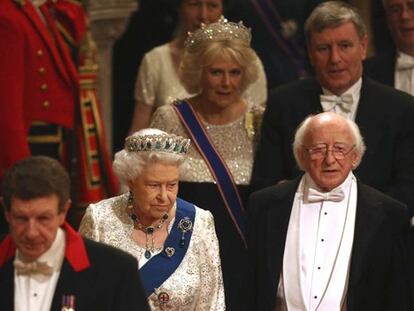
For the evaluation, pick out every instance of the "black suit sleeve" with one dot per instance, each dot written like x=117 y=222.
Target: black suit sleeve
x=397 y=282
x=251 y=287
x=116 y=281
x=130 y=292
x=402 y=183
x=378 y=273
x=410 y=264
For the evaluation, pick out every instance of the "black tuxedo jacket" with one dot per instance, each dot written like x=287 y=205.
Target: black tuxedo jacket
x=382 y=67
x=110 y=283
x=377 y=278
x=385 y=117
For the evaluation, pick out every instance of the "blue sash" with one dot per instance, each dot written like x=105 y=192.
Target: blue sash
x=216 y=164
x=160 y=267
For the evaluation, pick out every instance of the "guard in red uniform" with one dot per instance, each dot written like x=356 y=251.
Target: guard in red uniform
x=41 y=108
x=38 y=80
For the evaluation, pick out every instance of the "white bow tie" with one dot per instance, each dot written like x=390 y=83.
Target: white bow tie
x=404 y=63
x=36 y=267
x=336 y=195
x=345 y=102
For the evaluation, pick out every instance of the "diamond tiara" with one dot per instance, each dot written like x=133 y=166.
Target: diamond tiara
x=221 y=30
x=159 y=143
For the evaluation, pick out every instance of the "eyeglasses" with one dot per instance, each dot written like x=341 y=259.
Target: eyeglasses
x=321 y=151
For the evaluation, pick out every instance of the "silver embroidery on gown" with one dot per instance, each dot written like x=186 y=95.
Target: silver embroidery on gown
x=197 y=284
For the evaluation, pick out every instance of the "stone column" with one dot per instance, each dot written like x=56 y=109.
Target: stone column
x=108 y=20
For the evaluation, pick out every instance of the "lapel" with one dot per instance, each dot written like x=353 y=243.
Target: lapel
x=7 y=286
x=277 y=225
x=54 y=44
x=76 y=275
x=367 y=222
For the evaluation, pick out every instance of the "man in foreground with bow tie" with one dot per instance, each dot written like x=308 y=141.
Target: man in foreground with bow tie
x=337 y=43
x=44 y=263
x=325 y=241
x=395 y=66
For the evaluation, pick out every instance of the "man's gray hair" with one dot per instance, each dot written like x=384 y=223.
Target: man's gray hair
x=303 y=128
x=333 y=14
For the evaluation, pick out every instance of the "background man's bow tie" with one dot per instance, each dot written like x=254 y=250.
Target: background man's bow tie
x=328 y=102
x=35 y=267
x=335 y=195
x=404 y=63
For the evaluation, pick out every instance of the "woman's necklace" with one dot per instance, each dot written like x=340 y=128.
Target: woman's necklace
x=149 y=231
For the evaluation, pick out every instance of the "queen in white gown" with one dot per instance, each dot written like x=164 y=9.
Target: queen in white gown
x=174 y=241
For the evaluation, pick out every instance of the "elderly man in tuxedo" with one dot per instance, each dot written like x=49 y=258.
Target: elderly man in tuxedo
x=395 y=66
x=325 y=241
x=44 y=263
x=337 y=43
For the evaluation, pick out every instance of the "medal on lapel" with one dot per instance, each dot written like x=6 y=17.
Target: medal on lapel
x=68 y=303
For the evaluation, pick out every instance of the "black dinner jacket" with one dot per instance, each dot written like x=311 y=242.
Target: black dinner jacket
x=377 y=278
x=111 y=283
x=382 y=67
x=385 y=117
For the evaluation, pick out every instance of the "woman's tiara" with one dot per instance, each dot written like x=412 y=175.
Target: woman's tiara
x=158 y=143
x=221 y=30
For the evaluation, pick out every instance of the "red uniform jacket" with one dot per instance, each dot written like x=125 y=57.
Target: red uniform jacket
x=38 y=81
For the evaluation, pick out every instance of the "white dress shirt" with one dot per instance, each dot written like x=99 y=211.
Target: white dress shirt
x=355 y=92
x=35 y=292
x=404 y=73
x=318 y=250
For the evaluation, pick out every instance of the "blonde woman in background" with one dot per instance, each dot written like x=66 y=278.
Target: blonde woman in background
x=158 y=82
